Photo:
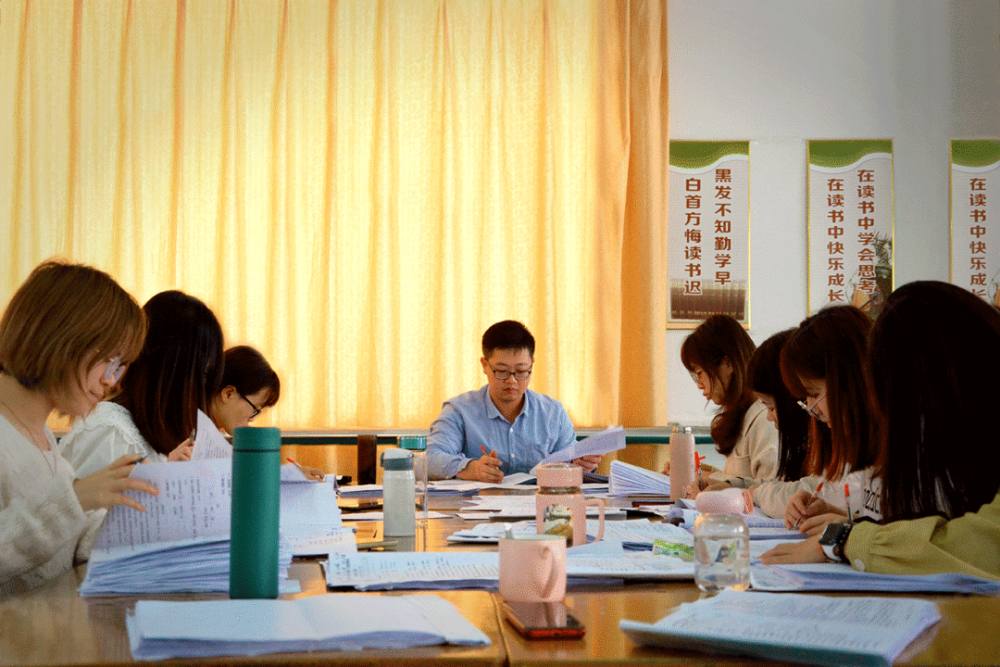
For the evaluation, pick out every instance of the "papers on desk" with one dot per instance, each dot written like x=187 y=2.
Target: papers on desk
x=609 y=440
x=181 y=542
x=160 y=630
x=455 y=569
x=842 y=577
x=627 y=479
x=517 y=507
x=637 y=534
x=377 y=515
x=798 y=628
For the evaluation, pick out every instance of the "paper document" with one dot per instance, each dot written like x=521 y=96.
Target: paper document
x=161 y=630
x=842 y=577
x=798 y=628
x=609 y=440
x=209 y=443
x=627 y=479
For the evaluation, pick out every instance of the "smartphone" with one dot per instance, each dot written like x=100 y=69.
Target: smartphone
x=543 y=620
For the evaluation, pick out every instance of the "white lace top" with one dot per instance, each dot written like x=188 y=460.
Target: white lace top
x=106 y=434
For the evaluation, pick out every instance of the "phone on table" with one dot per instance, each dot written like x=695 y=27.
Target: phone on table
x=543 y=620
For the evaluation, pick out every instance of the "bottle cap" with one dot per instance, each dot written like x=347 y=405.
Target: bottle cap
x=560 y=475
x=397 y=459
x=256 y=439
x=412 y=442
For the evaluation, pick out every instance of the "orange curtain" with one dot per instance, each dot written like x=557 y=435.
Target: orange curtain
x=358 y=189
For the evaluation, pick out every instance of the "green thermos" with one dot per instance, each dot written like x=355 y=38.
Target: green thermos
x=253 y=548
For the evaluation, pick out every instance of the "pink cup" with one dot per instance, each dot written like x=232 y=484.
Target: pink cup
x=533 y=568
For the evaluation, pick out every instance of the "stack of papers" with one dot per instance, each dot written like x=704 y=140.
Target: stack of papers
x=798 y=628
x=451 y=570
x=627 y=480
x=518 y=507
x=637 y=534
x=842 y=577
x=609 y=440
x=161 y=630
x=180 y=543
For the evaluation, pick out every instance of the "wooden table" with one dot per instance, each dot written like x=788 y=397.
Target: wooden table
x=52 y=625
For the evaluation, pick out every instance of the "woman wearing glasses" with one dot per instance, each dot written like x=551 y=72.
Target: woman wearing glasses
x=716 y=354
x=177 y=373
x=824 y=364
x=934 y=368
x=249 y=385
x=65 y=338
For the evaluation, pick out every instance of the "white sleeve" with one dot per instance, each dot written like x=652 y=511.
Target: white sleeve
x=90 y=449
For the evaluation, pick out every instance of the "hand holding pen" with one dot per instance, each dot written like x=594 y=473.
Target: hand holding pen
x=812 y=499
x=488 y=468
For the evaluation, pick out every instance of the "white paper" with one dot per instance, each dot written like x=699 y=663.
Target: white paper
x=627 y=479
x=816 y=629
x=609 y=440
x=160 y=630
x=209 y=443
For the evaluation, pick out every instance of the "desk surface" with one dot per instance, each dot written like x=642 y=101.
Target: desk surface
x=52 y=625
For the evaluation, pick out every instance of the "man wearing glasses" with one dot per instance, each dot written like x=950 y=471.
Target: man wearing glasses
x=503 y=427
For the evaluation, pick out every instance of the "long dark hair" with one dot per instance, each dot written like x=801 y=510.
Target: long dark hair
x=935 y=360
x=717 y=338
x=247 y=370
x=764 y=377
x=832 y=346
x=178 y=371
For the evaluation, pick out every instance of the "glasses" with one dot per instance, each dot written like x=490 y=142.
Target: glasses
x=696 y=376
x=256 y=410
x=113 y=373
x=811 y=409
x=503 y=375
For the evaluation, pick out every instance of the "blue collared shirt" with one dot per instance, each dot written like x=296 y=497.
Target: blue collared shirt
x=471 y=420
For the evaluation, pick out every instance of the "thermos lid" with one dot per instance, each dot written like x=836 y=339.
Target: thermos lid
x=560 y=475
x=397 y=459
x=257 y=439
x=412 y=442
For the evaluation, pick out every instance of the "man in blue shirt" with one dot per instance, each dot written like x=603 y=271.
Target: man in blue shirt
x=502 y=427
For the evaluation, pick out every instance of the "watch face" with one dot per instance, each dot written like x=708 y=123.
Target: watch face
x=831 y=533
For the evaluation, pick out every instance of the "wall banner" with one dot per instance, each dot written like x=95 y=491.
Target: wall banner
x=708 y=232
x=975 y=217
x=850 y=223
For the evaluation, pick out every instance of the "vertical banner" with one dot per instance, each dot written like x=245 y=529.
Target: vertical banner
x=708 y=232
x=975 y=217
x=850 y=223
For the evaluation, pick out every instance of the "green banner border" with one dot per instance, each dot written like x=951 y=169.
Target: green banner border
x=975 y=152
x=701 y=154
x=838 y=153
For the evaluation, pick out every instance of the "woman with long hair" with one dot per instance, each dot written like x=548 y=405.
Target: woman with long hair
x=934 y=364
x=177 y=373
x=716 y=354
x=824 y=364
x=66 y=337
x=793 y=474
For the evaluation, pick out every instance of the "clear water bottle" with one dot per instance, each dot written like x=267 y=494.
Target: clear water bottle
x=721 y=552
x=398 y=501
x=417 y=445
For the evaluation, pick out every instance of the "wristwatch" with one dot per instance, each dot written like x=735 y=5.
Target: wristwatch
x=833 y=540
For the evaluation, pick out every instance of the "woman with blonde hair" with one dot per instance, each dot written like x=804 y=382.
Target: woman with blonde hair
x=66 y=337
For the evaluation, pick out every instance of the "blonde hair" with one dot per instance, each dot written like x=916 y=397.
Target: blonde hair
x=58 y=319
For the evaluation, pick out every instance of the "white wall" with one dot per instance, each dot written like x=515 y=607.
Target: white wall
x=781 y=72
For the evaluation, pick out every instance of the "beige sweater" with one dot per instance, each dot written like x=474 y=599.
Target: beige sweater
x=755 y=457
x=43 y=529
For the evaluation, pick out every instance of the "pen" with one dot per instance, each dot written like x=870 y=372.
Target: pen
x=697 y=463
x=813 y=497
x=847 y=500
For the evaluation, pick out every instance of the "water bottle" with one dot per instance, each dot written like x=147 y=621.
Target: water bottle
x=398 y=497
x=682 y=463
x=417 y=445
x=721 y=552
x=255 y=514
